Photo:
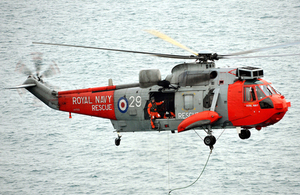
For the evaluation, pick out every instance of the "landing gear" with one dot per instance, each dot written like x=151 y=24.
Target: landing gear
x=118 y=140
x=245 y=134
x=210 y=140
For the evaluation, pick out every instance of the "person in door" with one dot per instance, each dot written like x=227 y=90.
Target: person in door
x=169 y=114
x=152 y=111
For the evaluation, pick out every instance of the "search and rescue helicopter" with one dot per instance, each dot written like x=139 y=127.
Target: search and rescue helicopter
x=195 y=95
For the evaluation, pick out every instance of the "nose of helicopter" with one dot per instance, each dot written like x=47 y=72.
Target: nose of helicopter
x=280 y=108
x=281 y=103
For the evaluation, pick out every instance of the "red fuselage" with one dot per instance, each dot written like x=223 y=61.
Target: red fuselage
x=255 y=103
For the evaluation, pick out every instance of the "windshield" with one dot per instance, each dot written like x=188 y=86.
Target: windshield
x=274 y=89
x=271 y=89
x=257 y=92
x=265 y=89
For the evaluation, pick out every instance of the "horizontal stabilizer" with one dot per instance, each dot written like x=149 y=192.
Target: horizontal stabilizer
x=198 y=120
x=22 y=86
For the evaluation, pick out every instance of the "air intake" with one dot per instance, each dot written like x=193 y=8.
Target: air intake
x=250 y=72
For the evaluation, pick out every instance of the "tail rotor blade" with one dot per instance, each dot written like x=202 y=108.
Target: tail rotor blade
x=22 y=68
x=37 y=59
x=52 y=70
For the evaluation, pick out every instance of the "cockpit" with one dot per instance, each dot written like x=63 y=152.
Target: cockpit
x=257 y=90
x=254 y=102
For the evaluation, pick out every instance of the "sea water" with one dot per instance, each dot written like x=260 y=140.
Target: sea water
x=42 y=151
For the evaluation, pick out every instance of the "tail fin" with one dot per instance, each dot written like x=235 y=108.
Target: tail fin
x=41 y=91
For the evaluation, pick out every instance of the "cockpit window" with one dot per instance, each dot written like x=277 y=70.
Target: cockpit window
x=271 y=89
x=249 y=94
x=265 y=90
x=260 y=94
x=274 y=89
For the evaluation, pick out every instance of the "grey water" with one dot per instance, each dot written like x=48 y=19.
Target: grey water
x=42 y=151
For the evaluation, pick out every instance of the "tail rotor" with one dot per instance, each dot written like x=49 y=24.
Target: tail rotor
x=36 y=78
x=37 y=59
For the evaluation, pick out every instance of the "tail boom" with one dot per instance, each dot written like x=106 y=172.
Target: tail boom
x=42 y=92
x=99 y=103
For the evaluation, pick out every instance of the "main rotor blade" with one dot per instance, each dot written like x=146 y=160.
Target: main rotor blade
x=263 y=49
x=121 y=50
x=264 y=56
x=170 y=40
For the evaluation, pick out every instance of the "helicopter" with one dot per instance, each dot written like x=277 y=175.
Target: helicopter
x=196 y=95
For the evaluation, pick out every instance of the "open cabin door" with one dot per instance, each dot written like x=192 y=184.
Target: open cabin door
x=166 y=108
x=182 y=104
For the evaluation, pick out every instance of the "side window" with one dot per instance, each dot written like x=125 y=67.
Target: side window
x=188 y=100
x=249 y=94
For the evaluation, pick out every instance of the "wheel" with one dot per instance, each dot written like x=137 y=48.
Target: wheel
x=245 y=134
x=117 y=141
x=209 y=140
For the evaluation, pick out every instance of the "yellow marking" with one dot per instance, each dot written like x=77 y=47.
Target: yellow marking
x=170 y=40
x=184 y=110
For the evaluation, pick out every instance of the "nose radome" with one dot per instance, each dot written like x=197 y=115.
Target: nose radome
x=285 y=104
x=281 y=107
x=281 y=104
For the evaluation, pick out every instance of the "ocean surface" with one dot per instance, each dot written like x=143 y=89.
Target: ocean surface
x=42 y=151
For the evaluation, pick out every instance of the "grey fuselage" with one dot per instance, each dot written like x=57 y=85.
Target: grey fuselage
x=191 y=91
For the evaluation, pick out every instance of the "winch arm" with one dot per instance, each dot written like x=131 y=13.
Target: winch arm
x=215 y=99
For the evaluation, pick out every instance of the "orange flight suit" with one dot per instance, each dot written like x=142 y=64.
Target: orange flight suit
x=152 y=111
x=171 y=115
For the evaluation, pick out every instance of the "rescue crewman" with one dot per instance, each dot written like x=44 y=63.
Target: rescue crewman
x=152 y=110
x=169 y=114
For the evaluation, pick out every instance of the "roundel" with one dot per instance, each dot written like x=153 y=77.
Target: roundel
x=123 y=104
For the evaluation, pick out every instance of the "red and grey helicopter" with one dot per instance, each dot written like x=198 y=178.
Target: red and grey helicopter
x=195 y=95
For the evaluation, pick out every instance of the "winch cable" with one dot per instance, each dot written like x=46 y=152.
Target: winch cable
x=202 y=138
x=221 y=134
x=168 y=161
x=196 y=179
x=202 y=169
x=198 y=134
